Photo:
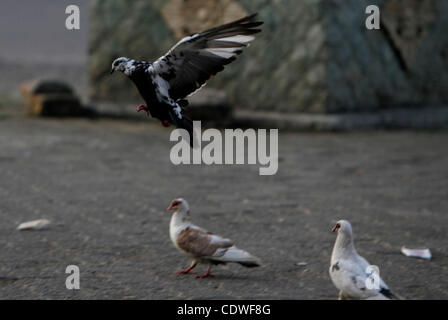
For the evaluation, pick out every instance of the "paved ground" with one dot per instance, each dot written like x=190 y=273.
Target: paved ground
x=105 y=186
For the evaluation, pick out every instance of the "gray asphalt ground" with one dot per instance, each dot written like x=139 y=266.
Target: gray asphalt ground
x=105 y=186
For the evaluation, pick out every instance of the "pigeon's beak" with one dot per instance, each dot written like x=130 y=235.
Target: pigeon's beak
x=112 y=71
x=170 y=207
x=336 y=228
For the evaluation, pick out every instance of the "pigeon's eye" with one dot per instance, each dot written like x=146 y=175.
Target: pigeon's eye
x=336 y=227
x=115 y=63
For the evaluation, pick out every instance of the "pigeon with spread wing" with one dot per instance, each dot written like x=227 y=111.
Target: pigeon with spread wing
x=165 y=83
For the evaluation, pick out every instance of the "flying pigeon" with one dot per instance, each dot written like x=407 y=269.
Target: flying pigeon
x=165 y=83
x=351 y=273
x=202 y=246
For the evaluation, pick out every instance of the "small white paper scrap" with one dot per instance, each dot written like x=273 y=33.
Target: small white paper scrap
x=34 y=225
x=423 y=253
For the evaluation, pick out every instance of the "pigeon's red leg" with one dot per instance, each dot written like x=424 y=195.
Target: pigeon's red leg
x=206 y=274
x=193 y=264
x=145 y=108
x=165 y=123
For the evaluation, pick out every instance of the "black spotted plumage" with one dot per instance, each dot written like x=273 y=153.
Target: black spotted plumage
x=335 y=267
x=387 y=293
x=165 y=83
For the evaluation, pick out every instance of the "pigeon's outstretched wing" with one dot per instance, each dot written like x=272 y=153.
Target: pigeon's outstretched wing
x=194 y=59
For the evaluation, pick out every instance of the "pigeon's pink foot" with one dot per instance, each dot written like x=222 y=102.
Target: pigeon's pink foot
x=165 y=123
x=205 y=275
x=184 y=271
x=188 y=269
x=144 y=108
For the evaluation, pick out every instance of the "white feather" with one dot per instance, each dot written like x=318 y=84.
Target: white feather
x=239 y=39
x=129 y=67
x=233 y=254
x=162 y=85
x=222 y=52
x=163 y=93
x=185 y=39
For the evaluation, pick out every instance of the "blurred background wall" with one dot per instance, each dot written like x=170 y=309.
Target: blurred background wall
x=34 y=43
x=313 y=56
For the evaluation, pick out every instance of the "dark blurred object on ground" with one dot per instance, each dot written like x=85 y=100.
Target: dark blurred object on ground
x=423 y=118
x=51 y=98
x=39 y=46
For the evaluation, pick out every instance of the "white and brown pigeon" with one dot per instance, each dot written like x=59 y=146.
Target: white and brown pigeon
x=202 y=246
x=351 y=273
x=165 y=83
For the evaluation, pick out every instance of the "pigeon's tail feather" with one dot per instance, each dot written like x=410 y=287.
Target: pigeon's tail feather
x=233 y=254
x=249 y=264
x=186 y=124
x=391 y=295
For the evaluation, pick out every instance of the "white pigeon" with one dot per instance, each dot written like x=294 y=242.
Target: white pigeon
x=202 y=246
x=352 y=274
